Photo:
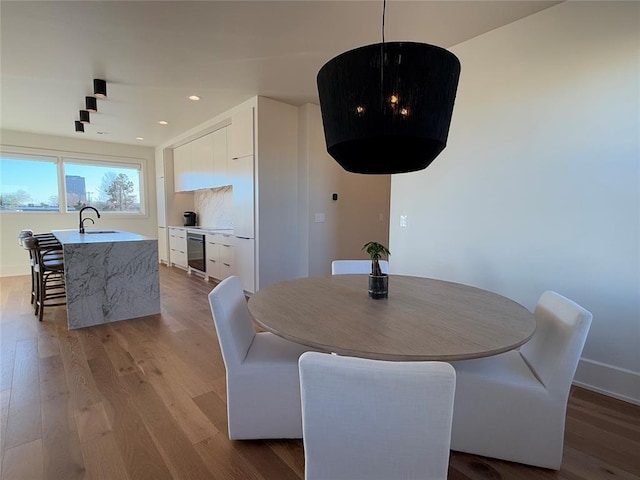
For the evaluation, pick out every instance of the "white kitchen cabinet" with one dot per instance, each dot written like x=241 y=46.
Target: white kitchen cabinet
x=202 y=163
x=182 y=167
x=160 y=196
x=178 y=247
x=226 y=256
x=220 y=255
x=242 y=175
x=163 y=251
x=245 y=266
x=170 y=205
x=213 y=265
x=262 y=153
x=241 y=133
x=220 y=158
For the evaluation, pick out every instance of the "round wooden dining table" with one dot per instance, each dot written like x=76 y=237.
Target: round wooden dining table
x=422 y=318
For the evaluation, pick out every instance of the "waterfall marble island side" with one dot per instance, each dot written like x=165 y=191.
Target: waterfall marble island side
x=110 y=276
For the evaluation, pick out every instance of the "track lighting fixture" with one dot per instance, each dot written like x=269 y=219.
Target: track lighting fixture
x=91 y=103
x=84 y=116
x=79 y=126
x=100 y=88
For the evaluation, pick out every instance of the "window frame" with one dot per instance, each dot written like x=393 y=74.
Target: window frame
x=61 y=157
x=105 y=163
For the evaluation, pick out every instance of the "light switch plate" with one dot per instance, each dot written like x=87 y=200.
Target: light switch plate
x=319 y=218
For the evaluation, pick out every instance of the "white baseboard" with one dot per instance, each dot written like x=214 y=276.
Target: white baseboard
x=609 y=380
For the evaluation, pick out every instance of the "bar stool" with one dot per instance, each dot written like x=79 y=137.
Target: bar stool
x=48 y=271
x=44 y=239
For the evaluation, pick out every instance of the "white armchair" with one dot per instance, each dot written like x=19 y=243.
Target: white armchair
x=512 y=406
x=372 y=419
x=263 y=388
x=344 y=267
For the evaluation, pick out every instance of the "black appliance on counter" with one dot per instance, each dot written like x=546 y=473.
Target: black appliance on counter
x=189 y=219
x=196 y=251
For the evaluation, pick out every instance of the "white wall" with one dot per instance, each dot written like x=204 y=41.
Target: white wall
x=539 y=185
x=13 y=259
x=350 y=221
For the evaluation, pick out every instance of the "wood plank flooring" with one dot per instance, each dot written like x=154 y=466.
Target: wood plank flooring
x=145 y=399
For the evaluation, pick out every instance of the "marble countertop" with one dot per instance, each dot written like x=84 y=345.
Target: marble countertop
x=197 y=229
x=99 y=235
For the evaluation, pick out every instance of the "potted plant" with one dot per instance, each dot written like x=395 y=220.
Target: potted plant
x=378 y=281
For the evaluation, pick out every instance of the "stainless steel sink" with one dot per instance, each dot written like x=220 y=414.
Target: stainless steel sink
x=100 y=231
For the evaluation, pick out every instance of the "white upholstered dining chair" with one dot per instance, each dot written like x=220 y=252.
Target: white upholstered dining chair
x=512 y=406
x=372 y=419
x=344 y=267
x=263 y=387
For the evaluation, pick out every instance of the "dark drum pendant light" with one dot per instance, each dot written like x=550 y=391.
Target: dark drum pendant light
x=91 y=104
x=99 y=88
x=386 y=108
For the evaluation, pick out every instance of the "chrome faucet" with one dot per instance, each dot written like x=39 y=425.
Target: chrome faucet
x=82 y=220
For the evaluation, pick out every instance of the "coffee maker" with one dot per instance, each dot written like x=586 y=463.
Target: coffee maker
x=189 y=219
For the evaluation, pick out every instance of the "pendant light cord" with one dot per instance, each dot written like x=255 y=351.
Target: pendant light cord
x=384 y=10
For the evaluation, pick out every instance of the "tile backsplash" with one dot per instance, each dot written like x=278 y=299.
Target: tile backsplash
x=214 y=207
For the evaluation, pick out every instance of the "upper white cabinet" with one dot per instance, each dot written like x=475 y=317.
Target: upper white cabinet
x=241 y=143
x=220 y=157
x=202 y=163
x=182 y=167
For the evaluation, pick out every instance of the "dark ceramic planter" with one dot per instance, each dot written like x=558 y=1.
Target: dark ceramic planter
x=378 y=286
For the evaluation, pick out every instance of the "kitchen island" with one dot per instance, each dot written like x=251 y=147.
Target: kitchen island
x=110 y=275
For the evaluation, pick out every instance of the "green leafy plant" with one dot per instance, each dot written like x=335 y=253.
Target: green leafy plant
x=376 y=251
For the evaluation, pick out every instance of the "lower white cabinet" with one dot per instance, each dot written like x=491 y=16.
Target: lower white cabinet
x=245 y=263
x=178 y=247
x=162 y=245
x=220 y=256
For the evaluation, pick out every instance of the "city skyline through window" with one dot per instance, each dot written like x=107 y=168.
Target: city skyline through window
x=30 y=183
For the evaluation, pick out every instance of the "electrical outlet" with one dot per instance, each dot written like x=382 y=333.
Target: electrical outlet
x=319 y=218
x=403 y=221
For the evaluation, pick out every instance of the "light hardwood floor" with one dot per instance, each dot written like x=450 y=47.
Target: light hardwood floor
x=145 y=399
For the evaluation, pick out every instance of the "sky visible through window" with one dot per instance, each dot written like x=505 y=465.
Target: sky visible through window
x=39 y=179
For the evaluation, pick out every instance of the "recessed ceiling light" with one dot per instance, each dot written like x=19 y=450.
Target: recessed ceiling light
x=194 y=97
x=163 y=122
x=139 y=138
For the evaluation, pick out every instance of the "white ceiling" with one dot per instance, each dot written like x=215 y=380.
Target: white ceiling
x=155 y=54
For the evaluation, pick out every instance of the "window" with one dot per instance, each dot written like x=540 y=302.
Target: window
x=28 y=183
x=59 y=184
x=108 y=187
